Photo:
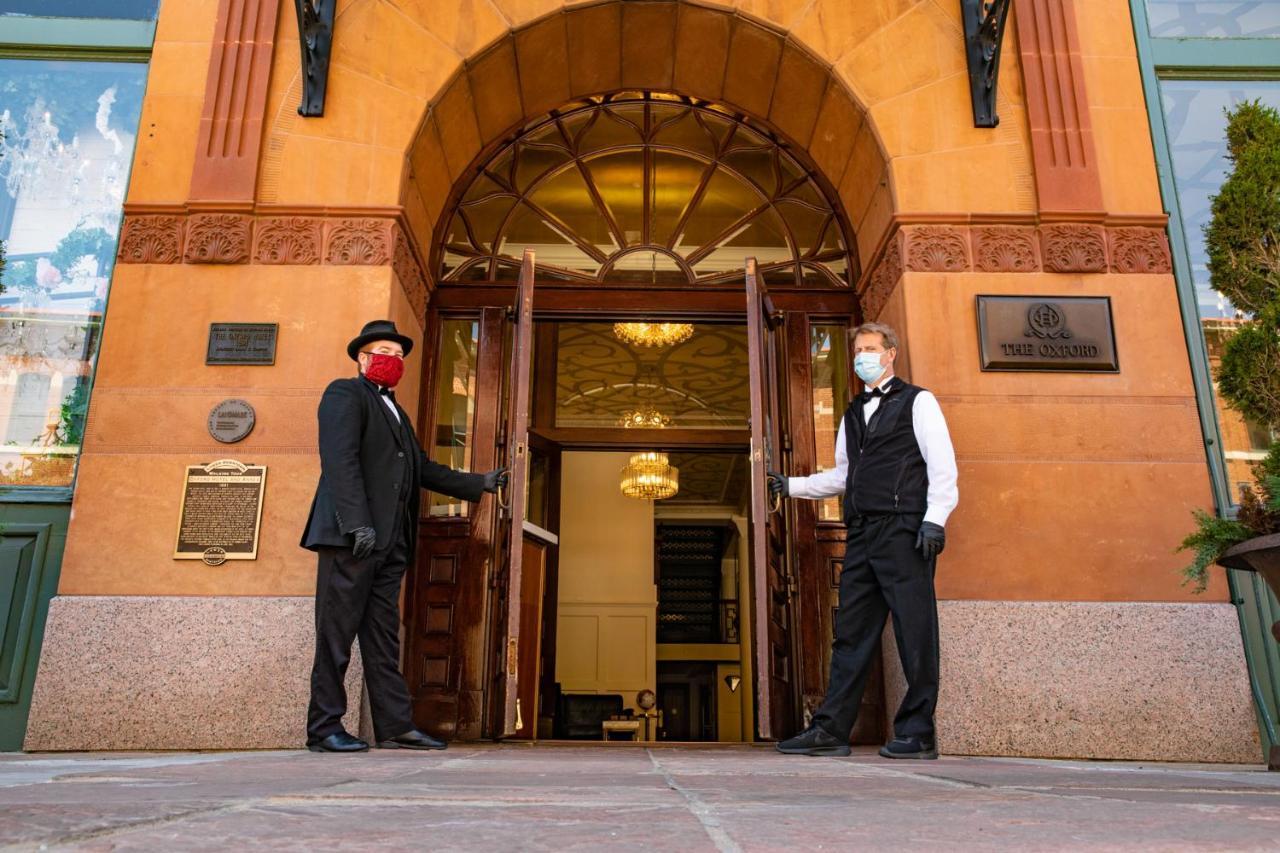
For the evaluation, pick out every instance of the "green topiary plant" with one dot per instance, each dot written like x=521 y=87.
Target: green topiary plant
x=1243 y=242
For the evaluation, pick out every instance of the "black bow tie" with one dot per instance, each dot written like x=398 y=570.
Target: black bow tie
x=387 y=392
x=872 y=392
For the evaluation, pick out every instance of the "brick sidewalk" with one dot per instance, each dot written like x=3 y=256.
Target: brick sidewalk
x=486 y=797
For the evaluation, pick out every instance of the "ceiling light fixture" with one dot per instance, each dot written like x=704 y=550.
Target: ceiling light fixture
x=653 y=334
x=650 y=476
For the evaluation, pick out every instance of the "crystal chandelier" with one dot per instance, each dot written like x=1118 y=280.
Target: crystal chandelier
x=645 y=417
x=653 y=334
x=650 y=476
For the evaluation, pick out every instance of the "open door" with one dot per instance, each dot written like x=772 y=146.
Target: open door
x=510 y=563
x=773 y=587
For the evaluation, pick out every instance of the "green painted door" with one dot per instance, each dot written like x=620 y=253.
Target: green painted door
x=32 y=537
x=1258 y=611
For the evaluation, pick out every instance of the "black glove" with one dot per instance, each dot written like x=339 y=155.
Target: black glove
x=778 y=485
x=495 y=479
x=365 y=537
x=931 y=539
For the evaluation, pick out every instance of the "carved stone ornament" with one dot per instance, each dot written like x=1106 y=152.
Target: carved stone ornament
x=1005 y=248
x=288 y=240
x=359 y=242
x=151 y=240
x=217 y=238
x=408 y=271
x=1139 y=250
x=937 y=248
x=1073 y=248
x=883 y=280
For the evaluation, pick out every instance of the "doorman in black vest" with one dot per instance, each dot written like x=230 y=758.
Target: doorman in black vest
x=897 y=471
x=364 y=527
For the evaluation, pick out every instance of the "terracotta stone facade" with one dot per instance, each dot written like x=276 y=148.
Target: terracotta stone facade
x=1075 y=488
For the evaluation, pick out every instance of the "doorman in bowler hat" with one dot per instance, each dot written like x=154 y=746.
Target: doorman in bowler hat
x=897 y=471
x=364 y=525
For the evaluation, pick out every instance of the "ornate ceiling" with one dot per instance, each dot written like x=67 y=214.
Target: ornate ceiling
x=700 y=383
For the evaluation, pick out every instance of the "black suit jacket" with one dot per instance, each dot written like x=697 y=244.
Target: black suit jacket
x=371 y=469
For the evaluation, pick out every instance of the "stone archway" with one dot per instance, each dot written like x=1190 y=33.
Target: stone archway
x=701 y=53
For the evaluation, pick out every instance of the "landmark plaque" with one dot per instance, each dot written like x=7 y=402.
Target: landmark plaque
x=242 y=343
x=221 y=512
x=231 y=420
x=1047 y=333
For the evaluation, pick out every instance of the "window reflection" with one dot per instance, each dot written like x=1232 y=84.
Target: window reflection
x=455 y=405
x=68 y=135
x=1195 y=120
x=132 y=10
x=829 y=363
x=1214 y=18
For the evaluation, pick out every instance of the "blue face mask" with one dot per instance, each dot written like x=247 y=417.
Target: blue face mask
x=868 y=367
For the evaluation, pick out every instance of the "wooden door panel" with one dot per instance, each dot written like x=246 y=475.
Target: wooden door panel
x=773 y=588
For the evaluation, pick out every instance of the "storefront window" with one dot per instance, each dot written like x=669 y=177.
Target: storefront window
x=130 y=10
x=455 y=405
x=68 y=133
x=1195 y=120
x=1213 y=18
x=829 y=364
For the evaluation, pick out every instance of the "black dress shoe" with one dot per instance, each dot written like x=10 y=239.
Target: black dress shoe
x=338 y=742
x=412 y=739
x=909 y=747
x=814 y=741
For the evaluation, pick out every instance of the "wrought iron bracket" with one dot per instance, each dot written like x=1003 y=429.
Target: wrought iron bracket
x=315 y=35
x=983 y=34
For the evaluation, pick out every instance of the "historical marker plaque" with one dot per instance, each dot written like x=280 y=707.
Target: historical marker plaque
x=242 y=343
x=221 y=512
x=231 y=420
x=1047 y=333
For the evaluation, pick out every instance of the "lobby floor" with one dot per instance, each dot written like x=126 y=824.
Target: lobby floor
x=489 y=797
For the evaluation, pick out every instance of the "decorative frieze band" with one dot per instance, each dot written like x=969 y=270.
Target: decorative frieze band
x=1062 y=247
x=247 y=238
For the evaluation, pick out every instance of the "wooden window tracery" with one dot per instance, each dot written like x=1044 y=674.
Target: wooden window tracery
x=645 y=188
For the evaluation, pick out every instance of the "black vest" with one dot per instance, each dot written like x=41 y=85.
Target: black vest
x=887 y=473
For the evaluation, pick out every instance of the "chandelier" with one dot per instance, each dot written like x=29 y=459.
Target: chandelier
x=653 y=334
x=645 y=417
x=650 y=476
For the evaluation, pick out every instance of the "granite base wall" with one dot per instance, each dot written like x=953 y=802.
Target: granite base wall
x=1133 y=680
x=143 y=672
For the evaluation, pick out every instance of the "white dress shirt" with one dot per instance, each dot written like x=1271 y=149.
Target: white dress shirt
x=934 y=440
x=391 y=405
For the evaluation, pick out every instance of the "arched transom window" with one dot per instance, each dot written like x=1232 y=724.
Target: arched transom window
x=642 y=188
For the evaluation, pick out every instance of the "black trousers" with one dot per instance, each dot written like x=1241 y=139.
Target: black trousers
x=359 y=598
x=883 y=574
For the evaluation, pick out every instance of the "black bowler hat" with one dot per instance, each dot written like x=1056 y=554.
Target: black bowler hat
x=378 y=330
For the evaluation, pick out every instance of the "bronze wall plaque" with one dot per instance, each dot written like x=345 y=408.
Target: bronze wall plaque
x=231 y=420
x=1047 y=333
x=221 y=512
x=242 y=343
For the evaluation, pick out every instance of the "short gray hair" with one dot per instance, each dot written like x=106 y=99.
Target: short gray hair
x=886 y=332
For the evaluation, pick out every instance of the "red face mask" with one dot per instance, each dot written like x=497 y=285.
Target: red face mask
x=384 y=370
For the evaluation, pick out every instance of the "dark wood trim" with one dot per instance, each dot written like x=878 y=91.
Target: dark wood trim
x=558 y=300
x=615 y=438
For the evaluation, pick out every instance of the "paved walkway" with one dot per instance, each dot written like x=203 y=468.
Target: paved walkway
x=482 y=797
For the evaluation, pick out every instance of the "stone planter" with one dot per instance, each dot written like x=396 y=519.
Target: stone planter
x=1260 y=554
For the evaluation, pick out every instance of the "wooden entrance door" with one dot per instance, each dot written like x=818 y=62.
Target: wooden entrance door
x=516 y=566
x=774 y=587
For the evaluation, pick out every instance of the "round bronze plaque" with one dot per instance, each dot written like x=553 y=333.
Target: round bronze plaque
x=214 y=556
x=231 y=420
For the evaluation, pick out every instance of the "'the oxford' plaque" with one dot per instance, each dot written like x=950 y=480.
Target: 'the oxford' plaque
x=221 y=512
x=1047 y=333
x=242 y=343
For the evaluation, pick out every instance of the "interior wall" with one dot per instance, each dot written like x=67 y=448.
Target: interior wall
x=608 y=603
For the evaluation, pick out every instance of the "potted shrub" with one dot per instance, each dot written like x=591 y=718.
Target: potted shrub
x=1243 y=242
